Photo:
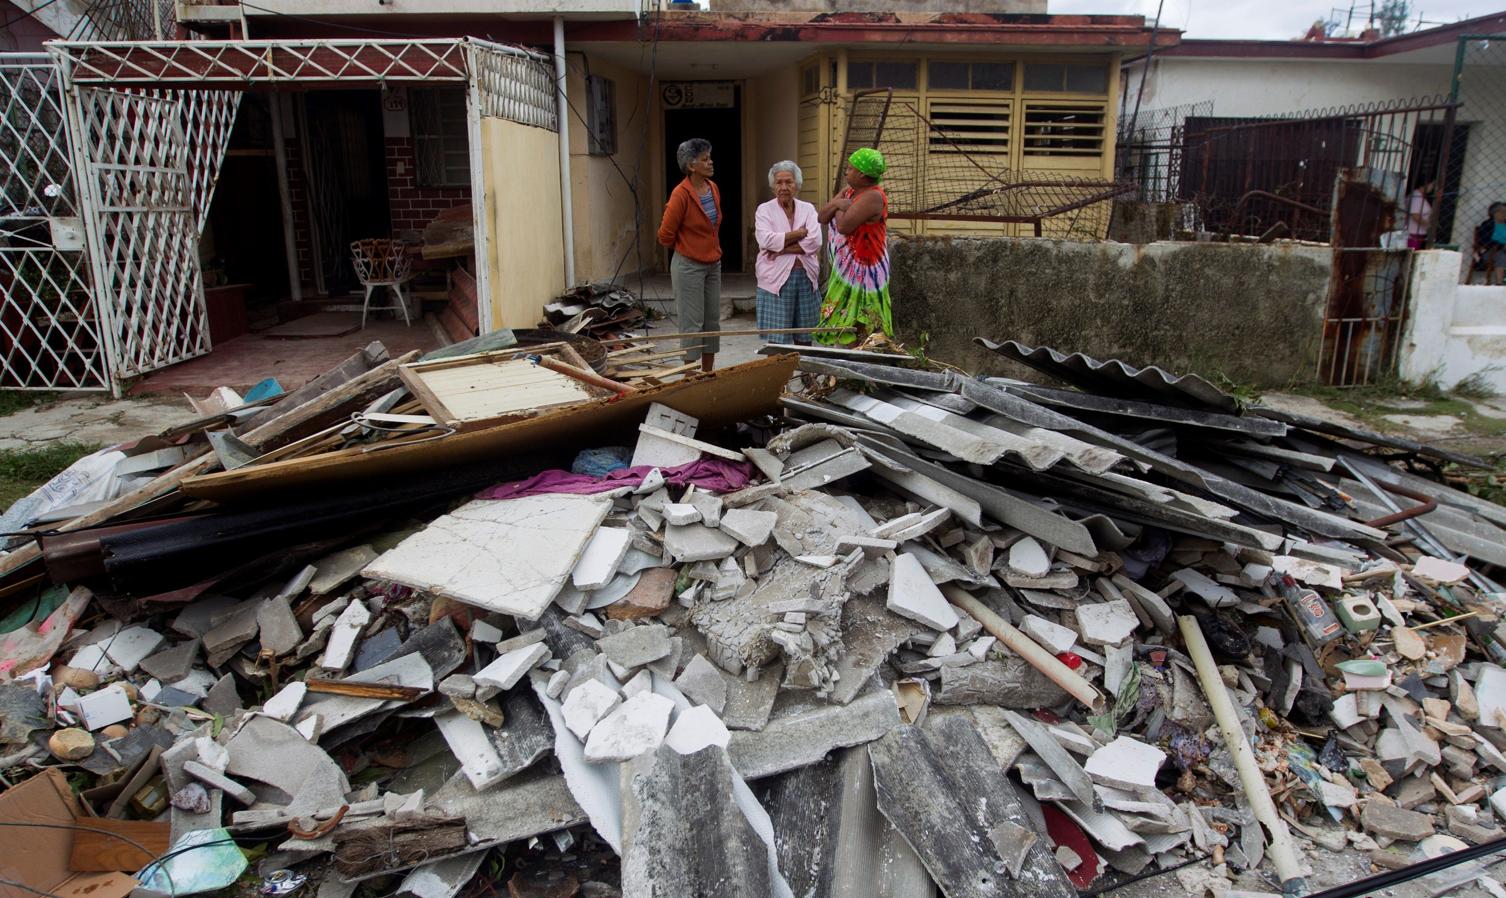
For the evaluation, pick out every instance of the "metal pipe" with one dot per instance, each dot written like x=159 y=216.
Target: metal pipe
x=1026 y=648
x=285 y=199
x=1406 y=514
x=564 y=117
x=1283 y=851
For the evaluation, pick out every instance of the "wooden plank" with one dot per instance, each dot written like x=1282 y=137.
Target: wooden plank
x=722 y=397
x=365 y=690
x=100 y=846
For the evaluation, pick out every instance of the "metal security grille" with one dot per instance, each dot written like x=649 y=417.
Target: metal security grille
x=144 y=236
x=1366 y=317
x=511 y=83
x=49 y=334
x=1475 y=169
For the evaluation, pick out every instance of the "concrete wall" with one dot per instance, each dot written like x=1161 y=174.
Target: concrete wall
x=1455 y=331
x=1252 y=314
x=602 y=200
x=1271 y=86
x=526 y=256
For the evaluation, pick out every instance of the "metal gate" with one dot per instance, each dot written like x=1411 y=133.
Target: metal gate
x=143 y=230
x=49 y=332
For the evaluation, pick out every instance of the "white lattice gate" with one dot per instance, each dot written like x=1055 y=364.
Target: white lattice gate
x=50 y=336
x=143 y=231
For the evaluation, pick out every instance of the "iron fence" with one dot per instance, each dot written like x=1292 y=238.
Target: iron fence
x=1368 y=303
x=1148 y=149
x=1475 y=163
x=1358 y=169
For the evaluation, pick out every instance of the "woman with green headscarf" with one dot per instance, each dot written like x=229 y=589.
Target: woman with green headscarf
x=857 y=291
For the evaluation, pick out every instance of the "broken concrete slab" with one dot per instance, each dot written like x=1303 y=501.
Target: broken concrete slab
x=697 y=542
x=750 y=704
x=274 y=753
x=333 y=571
x=750 y=527
x=636 y=646
x=1126 y=763
x=702 y=682
x=528 y=547
x=279 y=629
x=510 y=667
x=601 y=558
x=1028 y=558
x=340 y=650
x=1066 y=768
x=587 y=704
x=695 y=729
x=805 y=734
x=649 y=598
x=172 y=664
x=914 y=596
x=1392 y=822
x=1198 y=583
x=1106 y=623
x=1052 y=636
x=636 y=726
x=471 y=746
x=1010 y=682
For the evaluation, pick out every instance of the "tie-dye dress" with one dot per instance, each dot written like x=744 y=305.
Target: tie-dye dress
x=857 y=291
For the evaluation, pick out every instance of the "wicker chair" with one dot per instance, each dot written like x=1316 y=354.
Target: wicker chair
x=382 y=263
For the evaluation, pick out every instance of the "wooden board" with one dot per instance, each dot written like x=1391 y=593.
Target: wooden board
x=319 y=324
x=725 y=397
x=97 y=850
x=471 y=391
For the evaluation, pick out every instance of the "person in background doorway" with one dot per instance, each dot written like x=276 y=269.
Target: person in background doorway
x=1490 y=245
x=789 y=236
x=1419 y=213
x=692 y=218
x=857 y=291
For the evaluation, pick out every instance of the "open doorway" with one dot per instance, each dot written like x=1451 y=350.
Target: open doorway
x=347 y=178
x=1427 y=152
x=711 y=110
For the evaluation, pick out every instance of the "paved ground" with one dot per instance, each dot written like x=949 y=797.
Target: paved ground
x=96 y=420
x=248 y=359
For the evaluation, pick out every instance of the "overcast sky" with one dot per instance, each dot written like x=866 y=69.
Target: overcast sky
x=1267 y=19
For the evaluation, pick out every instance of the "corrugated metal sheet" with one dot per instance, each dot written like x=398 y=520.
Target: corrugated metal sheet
x=1116 y=378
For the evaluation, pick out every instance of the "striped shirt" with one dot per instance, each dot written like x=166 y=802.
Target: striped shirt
x=708 y=205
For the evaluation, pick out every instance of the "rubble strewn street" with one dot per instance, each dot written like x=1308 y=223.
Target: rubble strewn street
x=824 y=624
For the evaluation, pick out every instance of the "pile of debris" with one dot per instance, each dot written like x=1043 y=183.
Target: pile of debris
x=664 y=640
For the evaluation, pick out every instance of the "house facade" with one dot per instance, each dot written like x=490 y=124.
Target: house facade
x=1230 y=81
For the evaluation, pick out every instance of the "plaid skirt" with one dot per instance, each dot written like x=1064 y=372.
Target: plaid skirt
x=796 y=305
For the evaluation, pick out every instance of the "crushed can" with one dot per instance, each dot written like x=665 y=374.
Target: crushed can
x=282 y=882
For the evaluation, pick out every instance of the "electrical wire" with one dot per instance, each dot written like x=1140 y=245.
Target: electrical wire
x=92 y=829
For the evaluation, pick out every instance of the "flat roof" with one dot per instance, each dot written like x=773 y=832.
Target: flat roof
x=1443 y=35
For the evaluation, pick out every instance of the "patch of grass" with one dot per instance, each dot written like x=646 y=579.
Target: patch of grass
x=1373 y=403
x=23 y=470
x=1476 y=386
x=12 y=401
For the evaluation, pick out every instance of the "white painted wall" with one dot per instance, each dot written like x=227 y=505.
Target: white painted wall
x=1455 y=331
x=1278 y=86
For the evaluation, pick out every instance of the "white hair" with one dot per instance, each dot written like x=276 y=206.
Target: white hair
x=790 y=167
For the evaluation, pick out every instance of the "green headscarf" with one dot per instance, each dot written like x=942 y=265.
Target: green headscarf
x=868 y=161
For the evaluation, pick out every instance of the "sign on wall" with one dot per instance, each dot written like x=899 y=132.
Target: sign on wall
x=698 y=95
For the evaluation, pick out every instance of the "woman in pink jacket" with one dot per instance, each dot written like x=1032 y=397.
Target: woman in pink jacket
x=788 y=265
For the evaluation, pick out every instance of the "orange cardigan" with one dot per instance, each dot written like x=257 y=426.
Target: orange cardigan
x=686 y=227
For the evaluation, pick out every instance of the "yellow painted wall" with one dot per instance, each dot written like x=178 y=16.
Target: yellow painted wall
x=773 y=133
x=602 y=200
x=526 y=252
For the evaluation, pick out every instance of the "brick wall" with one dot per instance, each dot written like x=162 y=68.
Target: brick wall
x=414 y=206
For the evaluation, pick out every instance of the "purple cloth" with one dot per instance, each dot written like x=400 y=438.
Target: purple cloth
x=710 y=474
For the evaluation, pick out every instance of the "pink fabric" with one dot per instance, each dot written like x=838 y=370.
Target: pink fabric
x=711 y=474
x=770 y=224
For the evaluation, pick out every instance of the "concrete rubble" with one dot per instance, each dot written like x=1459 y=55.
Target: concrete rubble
x=787 y=651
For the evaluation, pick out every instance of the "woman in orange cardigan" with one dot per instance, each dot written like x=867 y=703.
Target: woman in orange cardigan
x=692 y=218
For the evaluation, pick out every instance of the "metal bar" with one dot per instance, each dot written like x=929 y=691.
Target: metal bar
x=90 y=218
x=1440 y=176
x=566 y=193
x=480 y=223
x=1406 y=514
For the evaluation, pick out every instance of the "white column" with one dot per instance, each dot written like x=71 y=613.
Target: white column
x=564 y=117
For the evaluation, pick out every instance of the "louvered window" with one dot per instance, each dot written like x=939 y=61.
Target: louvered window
x=1064 y=130
x=970 y=126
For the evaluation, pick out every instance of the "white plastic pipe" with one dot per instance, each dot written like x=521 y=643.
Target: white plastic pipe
x=1283 y=852
x=564 y=117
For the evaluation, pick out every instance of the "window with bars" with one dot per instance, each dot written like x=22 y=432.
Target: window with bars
x=441 y=144
x=1059 y=77
x=1064 y=130
x=942 y=75
x=969 y=126
x=898 y=75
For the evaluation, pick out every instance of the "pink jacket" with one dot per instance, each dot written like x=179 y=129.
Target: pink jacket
x=770 y=224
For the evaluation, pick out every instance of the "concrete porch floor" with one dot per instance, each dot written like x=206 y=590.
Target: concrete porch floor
x=250 y=358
